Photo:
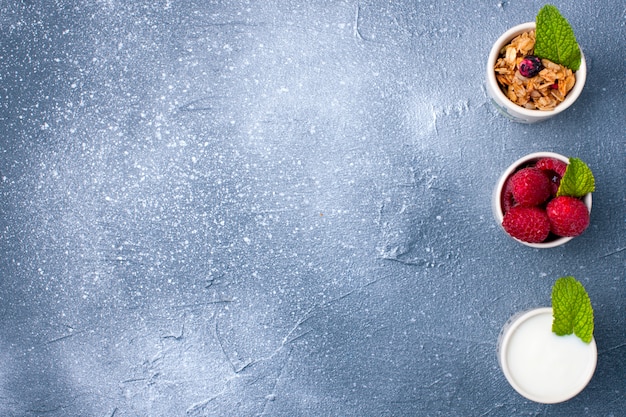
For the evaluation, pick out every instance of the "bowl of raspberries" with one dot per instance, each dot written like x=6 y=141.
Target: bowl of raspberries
x=543 y=199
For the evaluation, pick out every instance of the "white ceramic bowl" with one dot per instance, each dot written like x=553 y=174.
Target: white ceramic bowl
x=512 y=110
x=496 y=203
x=540 y=365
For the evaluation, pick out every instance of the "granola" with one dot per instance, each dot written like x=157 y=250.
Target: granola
x=543 y=91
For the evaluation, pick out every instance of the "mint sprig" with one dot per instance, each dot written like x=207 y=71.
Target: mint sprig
x=577 y=181
x=555 y=40
x=571 y=309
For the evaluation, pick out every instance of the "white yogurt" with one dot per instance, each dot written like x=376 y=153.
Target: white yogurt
x=540 y=365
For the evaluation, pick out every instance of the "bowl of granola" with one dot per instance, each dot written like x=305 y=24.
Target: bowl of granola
x=526 y=88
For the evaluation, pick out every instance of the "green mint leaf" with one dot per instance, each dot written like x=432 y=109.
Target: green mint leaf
x=555 y=40
x=571 y=309
x=577 y=181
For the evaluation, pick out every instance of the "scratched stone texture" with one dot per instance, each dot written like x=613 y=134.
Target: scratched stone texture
x=240 y=208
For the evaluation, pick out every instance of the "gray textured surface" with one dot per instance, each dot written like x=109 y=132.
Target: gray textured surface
x=283 y=208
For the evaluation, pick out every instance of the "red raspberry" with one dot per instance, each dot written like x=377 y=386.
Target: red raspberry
x=555 y=169
x=552 y=164
x=529 y=224
x=507 y=196
x=530 y=187
x=568 y=216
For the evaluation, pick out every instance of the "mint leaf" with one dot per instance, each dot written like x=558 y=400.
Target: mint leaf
x=577 y=181
x=555 y=40
x=571 y=309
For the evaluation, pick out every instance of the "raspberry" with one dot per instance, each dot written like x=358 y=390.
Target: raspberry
x=555 y=169
x=529 y=224
x=530 y=187
x=507 y=196
x=551 y=164
x=568 y=216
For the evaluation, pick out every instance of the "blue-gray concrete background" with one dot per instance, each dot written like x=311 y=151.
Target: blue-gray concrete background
x=261 y=208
